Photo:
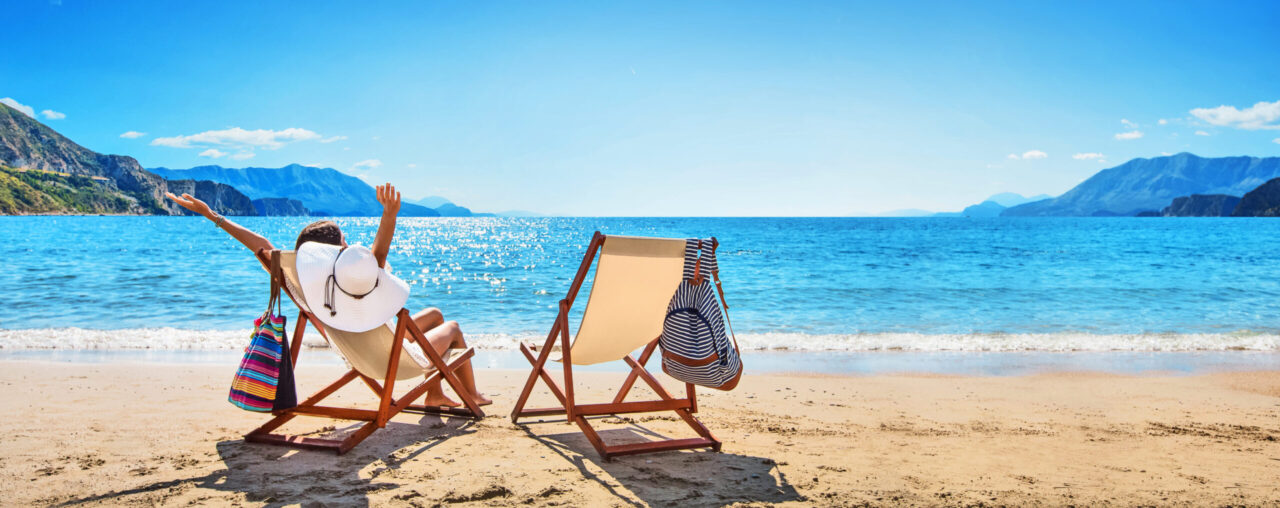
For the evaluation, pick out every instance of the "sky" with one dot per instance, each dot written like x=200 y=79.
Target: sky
x=658 y=109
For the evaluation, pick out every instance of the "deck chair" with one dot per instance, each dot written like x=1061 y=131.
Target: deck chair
x=634 y=281
x=377 y=357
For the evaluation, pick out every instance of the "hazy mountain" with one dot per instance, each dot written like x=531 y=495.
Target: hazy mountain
x=280 y=207
x=324 y=191
x=432 y=201
x=1008 y=199
x=52 y=174
x=988 y=208
x=1151 y=184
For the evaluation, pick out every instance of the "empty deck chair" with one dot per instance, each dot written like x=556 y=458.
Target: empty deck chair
x=377 y=357
x=634 y=281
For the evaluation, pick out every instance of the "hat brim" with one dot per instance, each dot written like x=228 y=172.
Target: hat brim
x=315 y=264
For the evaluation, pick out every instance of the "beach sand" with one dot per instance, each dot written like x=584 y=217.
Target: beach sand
x=146 y=434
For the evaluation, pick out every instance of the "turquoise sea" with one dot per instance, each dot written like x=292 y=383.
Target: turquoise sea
x=808 y=284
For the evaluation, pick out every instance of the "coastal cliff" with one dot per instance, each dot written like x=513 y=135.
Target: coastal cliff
x=1263 y=201
x=1201 y=205
x=89 y=182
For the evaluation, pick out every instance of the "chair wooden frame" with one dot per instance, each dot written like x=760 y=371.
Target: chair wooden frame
x=388 y=405
x=579 y=413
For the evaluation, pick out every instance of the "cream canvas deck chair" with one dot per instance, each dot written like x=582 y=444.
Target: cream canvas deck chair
x=377 y=357
x=634 y=281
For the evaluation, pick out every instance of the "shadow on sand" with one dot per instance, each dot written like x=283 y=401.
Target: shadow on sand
x=277 y=475
x=686 y=478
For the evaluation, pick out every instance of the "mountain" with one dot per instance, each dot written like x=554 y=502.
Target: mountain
x=60 y=176
x=280 y=207
x=1263 y=201
x=432 y=202
x=452 y=210
x=988 y=208
x=324 y=191
x=1201 y=205
x=1150 y=184
x=1008 y=199
x=905 y=212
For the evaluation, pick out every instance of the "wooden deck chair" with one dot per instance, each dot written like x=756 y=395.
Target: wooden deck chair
x=634 y=281
x=377 y=357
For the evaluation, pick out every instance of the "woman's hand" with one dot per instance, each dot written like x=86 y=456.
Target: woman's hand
x=190 y=203
x=389 y=197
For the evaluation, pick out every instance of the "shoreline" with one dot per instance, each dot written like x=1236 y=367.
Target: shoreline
x=828 y=363
x=117 y=435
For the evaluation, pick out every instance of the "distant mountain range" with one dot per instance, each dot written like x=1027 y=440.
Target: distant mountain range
x=323 y=191
x=992 y=206
x=1145 y=185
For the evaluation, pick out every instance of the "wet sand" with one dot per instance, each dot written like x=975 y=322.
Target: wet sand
x=144 y=434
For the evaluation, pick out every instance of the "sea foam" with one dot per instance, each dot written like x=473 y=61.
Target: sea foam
x=208 y=340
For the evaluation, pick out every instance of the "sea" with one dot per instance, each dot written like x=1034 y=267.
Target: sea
x=837 y=293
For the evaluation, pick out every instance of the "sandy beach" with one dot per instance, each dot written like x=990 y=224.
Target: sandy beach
x=150 y=434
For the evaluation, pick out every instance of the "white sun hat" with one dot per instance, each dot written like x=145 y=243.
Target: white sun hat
x=345 y=287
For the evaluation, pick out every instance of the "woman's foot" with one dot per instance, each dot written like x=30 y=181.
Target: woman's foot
x=481 y=400
x=434 y=397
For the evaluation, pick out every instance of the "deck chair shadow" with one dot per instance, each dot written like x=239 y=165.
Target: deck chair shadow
x=378 y=358
x=634 y=281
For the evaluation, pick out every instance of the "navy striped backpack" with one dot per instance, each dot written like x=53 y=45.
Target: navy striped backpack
x=695 y=347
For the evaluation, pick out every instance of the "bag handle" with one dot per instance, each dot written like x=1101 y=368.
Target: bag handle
x=715 y=274
x=276 y=275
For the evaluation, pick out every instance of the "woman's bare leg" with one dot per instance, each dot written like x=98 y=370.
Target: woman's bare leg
x=442 y=336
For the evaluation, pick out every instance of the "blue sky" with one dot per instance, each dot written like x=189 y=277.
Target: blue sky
x=683 y=108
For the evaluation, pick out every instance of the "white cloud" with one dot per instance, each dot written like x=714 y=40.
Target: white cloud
x=243 y=155
x=1129 y=135
x=331 y=139
x=367 y=164
x=50 y=114
x=1263 y=115
x=133 y=135
x=1088 y=156
x=25 y=109
x=1202 y=133
x=1276 y=141
x=213 y=153
x=412 y=165
x=1128 y=124
x=1031 y=154
x=239 y=138
x=1163 y=121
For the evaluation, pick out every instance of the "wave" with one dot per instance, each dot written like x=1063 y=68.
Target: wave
x=206 y=340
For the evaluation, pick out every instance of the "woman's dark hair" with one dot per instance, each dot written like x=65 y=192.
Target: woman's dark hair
x=325 y=231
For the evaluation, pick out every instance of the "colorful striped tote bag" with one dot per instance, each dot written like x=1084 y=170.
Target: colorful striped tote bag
x=264 y=381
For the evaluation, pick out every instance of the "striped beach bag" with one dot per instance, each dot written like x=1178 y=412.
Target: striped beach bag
x=695 y=347
x=264 y=381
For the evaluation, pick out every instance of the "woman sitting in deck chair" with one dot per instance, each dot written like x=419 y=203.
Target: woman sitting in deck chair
x=441 y=334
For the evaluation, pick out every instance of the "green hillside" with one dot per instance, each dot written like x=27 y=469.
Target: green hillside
x=26 y=191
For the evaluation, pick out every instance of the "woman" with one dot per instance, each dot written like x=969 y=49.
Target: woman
x=441 y=334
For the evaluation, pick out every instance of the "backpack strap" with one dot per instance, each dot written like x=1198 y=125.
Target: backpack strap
x=709 y=255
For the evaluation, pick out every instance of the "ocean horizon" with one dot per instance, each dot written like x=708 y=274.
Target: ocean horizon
x=793 y=284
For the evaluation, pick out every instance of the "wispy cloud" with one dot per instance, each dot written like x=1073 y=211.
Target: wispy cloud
x=1123 y=136
x=1128 y=124
x=1202 y=133
x=331 y=139
x=1263 y=115
x=411 y=165
x=1163 y=121
x=239 y=138
x=50 y=114
x=213 y=153
x=1276 y=141
x=133 y=135
x=243 y=155
x=1028 y=155
x=366 y=165
x=1088 y=156
x=25 y=109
